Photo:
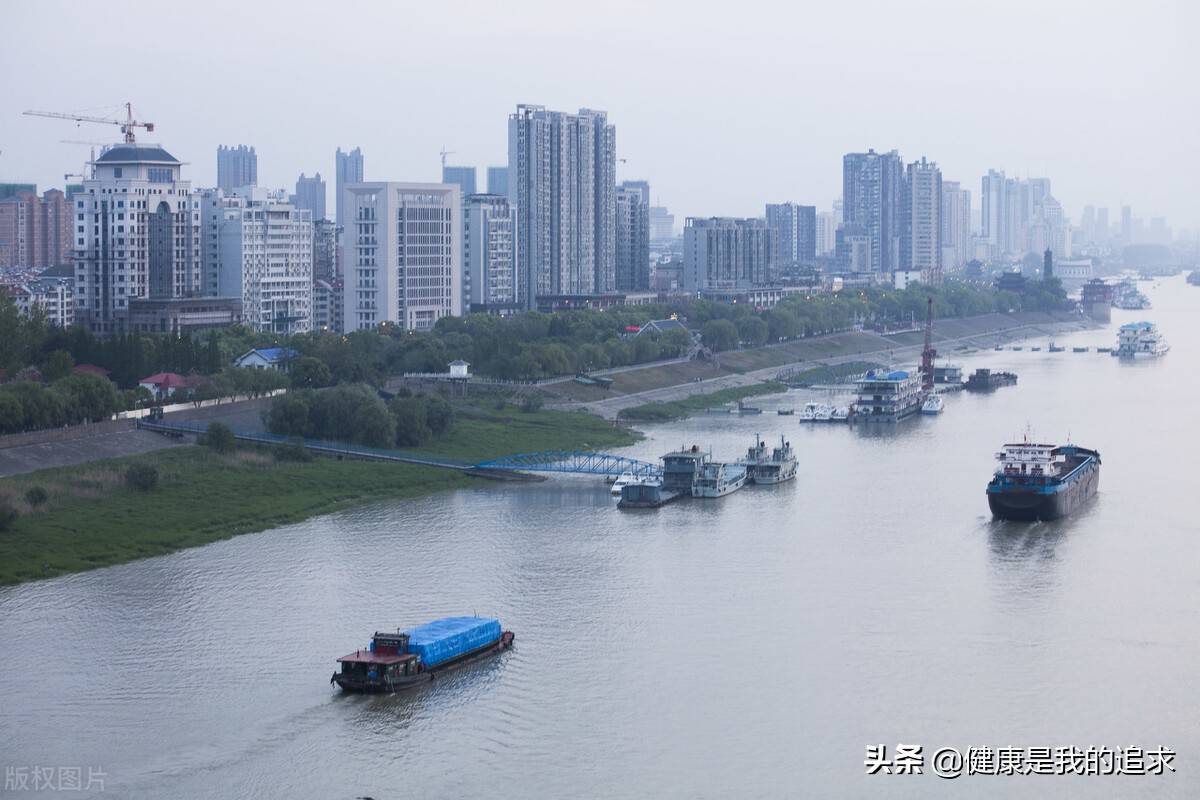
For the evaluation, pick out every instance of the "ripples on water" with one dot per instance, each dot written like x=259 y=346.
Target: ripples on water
x=752 y=646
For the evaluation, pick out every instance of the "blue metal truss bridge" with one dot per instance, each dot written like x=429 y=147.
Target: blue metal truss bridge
x=585 y=463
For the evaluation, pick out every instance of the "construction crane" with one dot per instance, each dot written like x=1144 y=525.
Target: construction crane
x=445 y=153
x=928 y=354
x=127 y=124
x=85 y=172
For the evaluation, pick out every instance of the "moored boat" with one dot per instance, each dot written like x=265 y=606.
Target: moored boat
x=776 y=467
x=620 y=483
x=719 y=479
x=1140 y=340
x=934 y=404
x=403 y=659
x=984 y=380
x=1042 y=481
x=887 y=396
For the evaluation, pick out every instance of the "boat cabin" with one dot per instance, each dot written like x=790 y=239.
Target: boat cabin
x=387 y=660
x=1030 y=463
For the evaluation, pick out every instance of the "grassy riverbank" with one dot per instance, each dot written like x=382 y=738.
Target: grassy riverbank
x=90 y=518
x=675 y=409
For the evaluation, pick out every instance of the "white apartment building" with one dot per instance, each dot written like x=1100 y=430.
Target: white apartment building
x=922 y=231
x=137 y=236
x=403 y=254
x=490 y=255
x=259 y=249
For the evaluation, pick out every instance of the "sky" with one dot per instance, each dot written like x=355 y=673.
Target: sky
x=723 y=107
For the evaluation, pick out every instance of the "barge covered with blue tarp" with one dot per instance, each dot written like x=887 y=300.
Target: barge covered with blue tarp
x=445 y=639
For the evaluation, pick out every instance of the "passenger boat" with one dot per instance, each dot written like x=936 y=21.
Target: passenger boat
x=401 y=660
x=887 y=396
x=933 y=404
x=810 y=411
x=718 y=479
x=1042 y=481
x=764 y=469
x=1140 y=340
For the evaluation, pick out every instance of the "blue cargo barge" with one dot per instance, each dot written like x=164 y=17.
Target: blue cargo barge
x=403 y=659
x=1042 y=481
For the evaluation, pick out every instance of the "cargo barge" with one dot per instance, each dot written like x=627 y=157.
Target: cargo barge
x=1042 y=481
x=984 y=380
x=401 y=660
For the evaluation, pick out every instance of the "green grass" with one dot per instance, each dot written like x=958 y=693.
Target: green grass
x=661 y=412
x=91 y=519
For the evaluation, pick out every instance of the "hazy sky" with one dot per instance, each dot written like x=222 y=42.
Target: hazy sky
x=722 y=106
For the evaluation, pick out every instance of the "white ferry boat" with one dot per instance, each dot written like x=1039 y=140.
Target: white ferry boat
x=779 y=466
x=810 y=411
x=1140 y=340
x=718 y=479
x=887 y=396
x=934 y=404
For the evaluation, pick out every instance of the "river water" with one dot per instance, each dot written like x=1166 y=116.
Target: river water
x=753 y=646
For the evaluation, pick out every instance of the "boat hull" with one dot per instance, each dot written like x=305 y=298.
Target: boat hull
x=1031 y=505
x=350 y=684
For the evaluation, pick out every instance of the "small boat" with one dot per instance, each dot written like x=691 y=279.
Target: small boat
x=403 y=659
x=719 y=479
x=785 y=412
x=1079 y=349
x=1017 y=347
x=621 y=482
x=841 y=414
x=744 y=409
x=1036 y=349
x=809 y=412
x=720 y=410
x=1104 y=349
x=998 y=348
x=1054 y=348
x=933 y=404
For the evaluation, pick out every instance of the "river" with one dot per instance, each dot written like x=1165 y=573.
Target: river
x=753 y=646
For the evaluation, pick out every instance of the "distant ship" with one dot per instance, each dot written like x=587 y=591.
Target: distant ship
x=1042 y=481
x=1140 y=340
x=984 y=380
x=718 y=479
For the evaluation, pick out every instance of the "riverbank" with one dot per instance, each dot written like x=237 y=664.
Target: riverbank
x=90 y=518
x=745 y=368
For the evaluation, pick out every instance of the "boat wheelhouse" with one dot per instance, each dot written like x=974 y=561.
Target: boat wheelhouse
x=768 y=468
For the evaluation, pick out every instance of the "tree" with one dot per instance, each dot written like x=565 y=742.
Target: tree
x=412 y=428
x=88 y=397
x=35 y=496
x=219 y=437
x=752 y=331
x=310 y=373
x=8 y=515
x=439 y=416
x=288 y=415
x=532 y=402
x=719 y=334
x=58 y=365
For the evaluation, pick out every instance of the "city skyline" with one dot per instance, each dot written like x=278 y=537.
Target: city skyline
x=1105 y=127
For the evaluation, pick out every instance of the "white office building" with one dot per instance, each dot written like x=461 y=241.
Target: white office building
x=403 y=254
x=259 y=248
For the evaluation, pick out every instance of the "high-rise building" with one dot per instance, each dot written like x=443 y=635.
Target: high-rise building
x=403 y=254
x=826 y=234
x=728 y=253
x=137 y=247
x=921 y=229
x=491 y=283
x=36 y=231
x=1126 y=225
x=641 y=187
x=956 y=225
x=325 y=263
x=633 y=238
x=497 y=180
x=562 y=177
x=236 y=166
x=349 y=170
x=260 y=251
x=662 y=225
x=310 y=196
x=463 y=176
x=797 y=226
x=872 y=187
x=1102 y=231
x=328 y=297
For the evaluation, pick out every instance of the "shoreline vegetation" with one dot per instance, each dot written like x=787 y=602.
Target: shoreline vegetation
x=77 y=518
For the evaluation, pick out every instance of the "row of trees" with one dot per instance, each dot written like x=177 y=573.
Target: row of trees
x=356 y=414
x=522 y=347
x=31 y=405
